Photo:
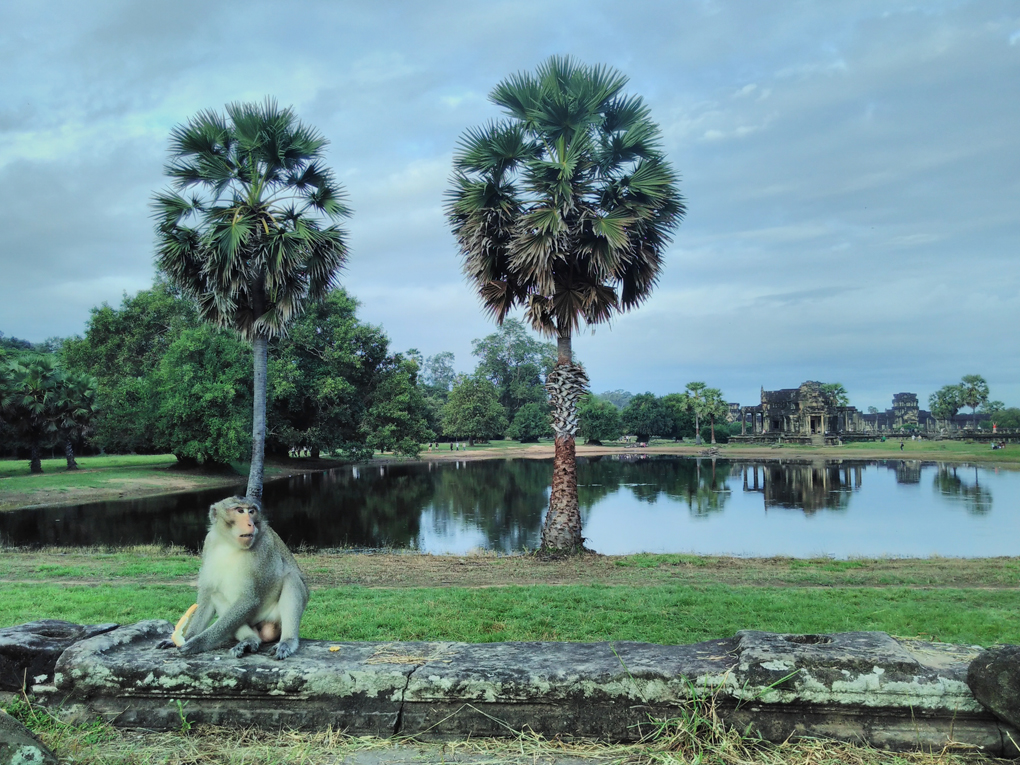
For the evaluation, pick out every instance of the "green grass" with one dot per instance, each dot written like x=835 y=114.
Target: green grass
x=12 y=468
x=662 y=614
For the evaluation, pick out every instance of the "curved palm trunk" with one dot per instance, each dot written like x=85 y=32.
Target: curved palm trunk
x=260 y=349
x=566 y=383
x=712 y=420
x=69 y=454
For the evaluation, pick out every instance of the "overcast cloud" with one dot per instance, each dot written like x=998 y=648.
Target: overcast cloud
x=851 y=169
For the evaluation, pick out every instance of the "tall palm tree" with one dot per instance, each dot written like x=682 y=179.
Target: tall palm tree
x=974 y=392
x=564 y=207
x=695 y=392
x=258 y=235
x=714 y=406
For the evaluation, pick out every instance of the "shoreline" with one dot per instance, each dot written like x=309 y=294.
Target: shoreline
x=724 y=451
x=154 y=482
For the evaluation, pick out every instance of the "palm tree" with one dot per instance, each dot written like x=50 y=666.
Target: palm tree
x=30 y=405
x=564 y=207
x=257 y=238
x=74 y=408
x=714 y=406
x=974 y=392
x=695 y=392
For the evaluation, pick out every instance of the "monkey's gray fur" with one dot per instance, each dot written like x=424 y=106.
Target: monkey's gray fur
x=250 y=581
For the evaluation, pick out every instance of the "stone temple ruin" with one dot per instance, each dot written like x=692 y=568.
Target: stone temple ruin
x=810 y=415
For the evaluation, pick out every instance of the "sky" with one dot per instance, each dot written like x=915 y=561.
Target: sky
x=851 y=169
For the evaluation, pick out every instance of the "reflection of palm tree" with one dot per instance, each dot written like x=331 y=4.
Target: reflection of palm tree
x=681 y=480
x=504 y=500
x=977 y=498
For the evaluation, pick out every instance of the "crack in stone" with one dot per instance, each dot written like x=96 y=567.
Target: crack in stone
x=398 y=724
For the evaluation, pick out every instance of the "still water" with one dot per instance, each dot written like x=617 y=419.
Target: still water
x=628 y=504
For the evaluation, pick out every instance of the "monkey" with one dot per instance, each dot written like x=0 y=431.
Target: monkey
x=250 y=581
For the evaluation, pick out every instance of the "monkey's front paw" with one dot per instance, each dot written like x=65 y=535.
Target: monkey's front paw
x=285 y=649
x=166 y=643
x=189 y=647
x=249 y=645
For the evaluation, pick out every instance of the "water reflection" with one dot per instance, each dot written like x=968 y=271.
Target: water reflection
x=629 y=503
x=810 y=487
x=698 y=484
x=972 y=495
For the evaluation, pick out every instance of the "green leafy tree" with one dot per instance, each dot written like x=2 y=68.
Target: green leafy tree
x=973 y=393
x=618 y=398
x=946 y=402
x=258 y=235
x=1007 y=417
x=31 y=404
x=323 y=375
x=646 y=416
x=473 y=410
x=516 y=363
x=564 y=207
x=437 y=379
x=396 y=419
x=204 y=397
x=530 y=423
x=599 y=420
x=678 y=405
x=438 y=373
x=121 y=349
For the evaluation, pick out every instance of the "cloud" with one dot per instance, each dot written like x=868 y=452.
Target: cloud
x=850 y=172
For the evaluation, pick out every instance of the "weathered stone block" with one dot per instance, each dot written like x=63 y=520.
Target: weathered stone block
x=862 y=686
x=29 y=652
x=19 y=747
x=994 y=677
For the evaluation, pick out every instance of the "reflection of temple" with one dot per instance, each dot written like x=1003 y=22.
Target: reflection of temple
x=908 y=471
x=810 y=486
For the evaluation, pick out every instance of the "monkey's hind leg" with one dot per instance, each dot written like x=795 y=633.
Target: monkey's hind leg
x=293 y=600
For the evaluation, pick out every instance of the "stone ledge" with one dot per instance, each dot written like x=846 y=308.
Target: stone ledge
x=857 y=686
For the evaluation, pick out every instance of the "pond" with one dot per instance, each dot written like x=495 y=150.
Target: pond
x=629 y=504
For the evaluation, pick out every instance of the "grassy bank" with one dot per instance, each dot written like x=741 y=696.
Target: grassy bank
x=661 y=599
x=124 y=476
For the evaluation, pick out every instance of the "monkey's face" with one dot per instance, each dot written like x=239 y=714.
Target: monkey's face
x=244 y=522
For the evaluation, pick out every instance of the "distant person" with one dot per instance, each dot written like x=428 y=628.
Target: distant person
x=901 y=446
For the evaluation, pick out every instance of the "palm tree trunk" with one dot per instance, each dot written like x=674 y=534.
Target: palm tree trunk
x=35 y=461
x=712 y=419
x=561 y=531
x=260 y=349
x=69 y=454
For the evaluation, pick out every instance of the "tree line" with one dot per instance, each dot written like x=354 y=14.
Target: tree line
x=972 y=391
